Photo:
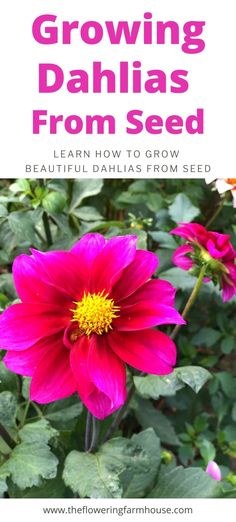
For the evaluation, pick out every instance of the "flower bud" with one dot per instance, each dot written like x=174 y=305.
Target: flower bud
x=213 y=470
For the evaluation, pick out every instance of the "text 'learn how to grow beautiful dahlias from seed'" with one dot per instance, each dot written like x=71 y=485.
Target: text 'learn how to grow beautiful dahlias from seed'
x=209 y=249
x=83 y=315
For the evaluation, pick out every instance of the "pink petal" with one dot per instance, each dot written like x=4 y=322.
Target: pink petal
x=222 y=240
x=53 y=378
x=107 y=371
x=228 y=282
x=118 y=253
x=99 y=404
x=190 y=231
x=153 y=290
x=214 y=251
x=29 y=285
x=22 y=325
x=213 y=470
x=88 y=247
x=180 y=259
x=79 y=365
x=26 y=361
x=95 y=400
x=228 y=291
x=149 y=351
x=146 y=314
x=136 y=274
x=231 y=267
x=62 y=270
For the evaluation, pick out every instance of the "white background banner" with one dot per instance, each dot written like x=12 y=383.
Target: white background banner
x=211 y=77
x=171 y=510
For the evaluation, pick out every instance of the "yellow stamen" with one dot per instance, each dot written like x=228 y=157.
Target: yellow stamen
x=94 y=313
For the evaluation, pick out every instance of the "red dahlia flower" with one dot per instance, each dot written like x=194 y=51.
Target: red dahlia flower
x=85 y=313
x=209 y=248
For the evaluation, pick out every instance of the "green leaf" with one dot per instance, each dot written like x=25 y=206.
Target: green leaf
x=228 y=344
x=186 y=453
x=26 y=387
x=3 y=211
x=127 y=199
x=29 y=463
x=53 y=488
x=84 y=188
x=7 y=286
x=141 y=234
x=8 y=380
x=63 y=414
x=200 y=424
x=39 y=431
x=3 y=483
x=154 y=202
x=54 y=202
x=136 y=483
x=8 y=406
x=207 y=450
x=164 y=239
x=20 y=185
x=88 y=214
x=148 y=417
x=154 y=386
x=207 y=337
x=193 y=376
x=23 y=227
x=99 y=475
x=234 y=413
x=185 y=483
x=89 y=476
x=228 y=384
x=230 y=433
x=179 y=278
x=182 y=210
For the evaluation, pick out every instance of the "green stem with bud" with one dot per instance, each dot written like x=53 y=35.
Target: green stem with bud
x=217 y=212
x=191 y=299
x=189 y=304
x=91 y=433
x=7 y=437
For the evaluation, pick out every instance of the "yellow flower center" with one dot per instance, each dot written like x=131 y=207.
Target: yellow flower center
x=94 y=313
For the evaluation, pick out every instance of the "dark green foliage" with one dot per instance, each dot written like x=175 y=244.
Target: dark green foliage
x=174 y=424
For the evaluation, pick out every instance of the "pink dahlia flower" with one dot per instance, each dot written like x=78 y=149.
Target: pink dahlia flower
x=83 y=315
x=213 y=470
x=209 y=248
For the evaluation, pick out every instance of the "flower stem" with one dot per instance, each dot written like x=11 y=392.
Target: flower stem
x=47 y=229
x=91 y=433
x=115 y=424
x=217 y=212
x=45 y=218
x=191 y=300
x=121 y=412
x=6 y=437
x=88 y=431
x=95 y=434
x=25 y=414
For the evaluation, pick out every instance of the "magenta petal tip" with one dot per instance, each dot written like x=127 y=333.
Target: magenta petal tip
x=213 y=470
